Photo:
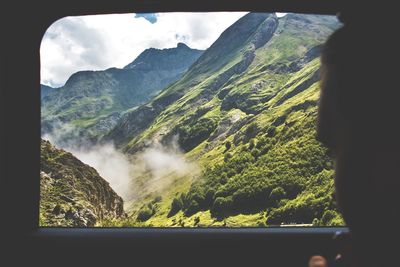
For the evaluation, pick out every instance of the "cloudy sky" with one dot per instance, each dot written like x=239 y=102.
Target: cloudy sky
x=99 y=42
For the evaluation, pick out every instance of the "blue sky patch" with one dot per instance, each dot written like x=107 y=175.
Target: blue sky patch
x=151 y=17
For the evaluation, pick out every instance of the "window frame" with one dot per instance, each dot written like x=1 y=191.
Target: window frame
x=23 y=141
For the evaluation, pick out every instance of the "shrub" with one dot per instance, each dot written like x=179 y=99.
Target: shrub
x=221 y=206
x=196 y=132
x=209 y=198
x=251 y=144
x=251 y=131
x=262 y=141
x=157 y=199
x=184 y=200
x=276 y=195
x=255 y=153
x=193 y=208
x=228 y=145
x=271 y=131
x=228 y=156
x=327 y=218
x=145 y=213
x=176 y=206
x=231 y=173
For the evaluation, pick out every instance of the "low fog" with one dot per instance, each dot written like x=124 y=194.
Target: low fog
x=159 y=165
x=130 y=176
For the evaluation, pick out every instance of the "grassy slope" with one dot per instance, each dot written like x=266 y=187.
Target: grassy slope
x=290 y=142
x=193 y=89
x=270 y=124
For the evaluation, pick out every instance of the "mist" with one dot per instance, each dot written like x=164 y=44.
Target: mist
x=110 y=163
x=159 y=165
x=130 y=176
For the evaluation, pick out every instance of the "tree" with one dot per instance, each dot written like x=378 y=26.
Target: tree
x=221 y=206
x=231 y=173
x=276 y=195
x=255 y=153
x=251 y=130
x=176 y=206
x=228 y=145
x=144 y=214
x=262 y=141
x=193 y=208
x=271 y=131
x=209 y=198
x=328 y=216
x=228 y=156
x=251 y=144
x=157 y=199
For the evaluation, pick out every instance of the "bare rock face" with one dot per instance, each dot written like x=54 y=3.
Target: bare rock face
x=73 y=193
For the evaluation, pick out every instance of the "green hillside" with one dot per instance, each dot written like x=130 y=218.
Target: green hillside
x=45 y=90
x=91 y=102
x=245 y=114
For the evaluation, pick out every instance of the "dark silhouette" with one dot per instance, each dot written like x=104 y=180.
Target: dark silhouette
x=359 y=123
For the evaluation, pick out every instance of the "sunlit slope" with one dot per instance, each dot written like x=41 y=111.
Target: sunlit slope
x=246 y=115
x=229 y=55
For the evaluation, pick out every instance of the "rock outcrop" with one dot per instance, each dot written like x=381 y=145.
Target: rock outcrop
x=73 y=193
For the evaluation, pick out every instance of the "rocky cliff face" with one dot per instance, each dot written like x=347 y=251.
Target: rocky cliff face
x=73 y=193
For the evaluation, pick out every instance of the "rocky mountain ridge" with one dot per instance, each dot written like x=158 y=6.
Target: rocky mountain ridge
x=73 y=193
x=92 y=97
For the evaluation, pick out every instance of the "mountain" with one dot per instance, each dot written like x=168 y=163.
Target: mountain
x=178 y=59
x=73 y=193
x=45 y=90
x=91 y=102
x=229 y=55
x=245 y=112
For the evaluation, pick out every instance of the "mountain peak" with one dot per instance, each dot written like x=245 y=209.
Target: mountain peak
x=168 y=58
x=182 y=45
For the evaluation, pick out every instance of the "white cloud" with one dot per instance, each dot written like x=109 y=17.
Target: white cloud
x=159 y=164
x=99 y=42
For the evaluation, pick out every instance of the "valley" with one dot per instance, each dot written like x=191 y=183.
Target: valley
x=218 y=138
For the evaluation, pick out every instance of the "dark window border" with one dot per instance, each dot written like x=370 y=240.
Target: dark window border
x=23 y=30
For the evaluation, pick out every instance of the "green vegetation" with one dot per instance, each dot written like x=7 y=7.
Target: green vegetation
x=253 y=136
x=72 y=193
x=93 y=101
x=245 y=114
x=270 y=177
x=191 y=135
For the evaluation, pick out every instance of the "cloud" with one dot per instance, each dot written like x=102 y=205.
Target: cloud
x=99 y=42
x=155 y=168
x=111 y=164
x=130 y=176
